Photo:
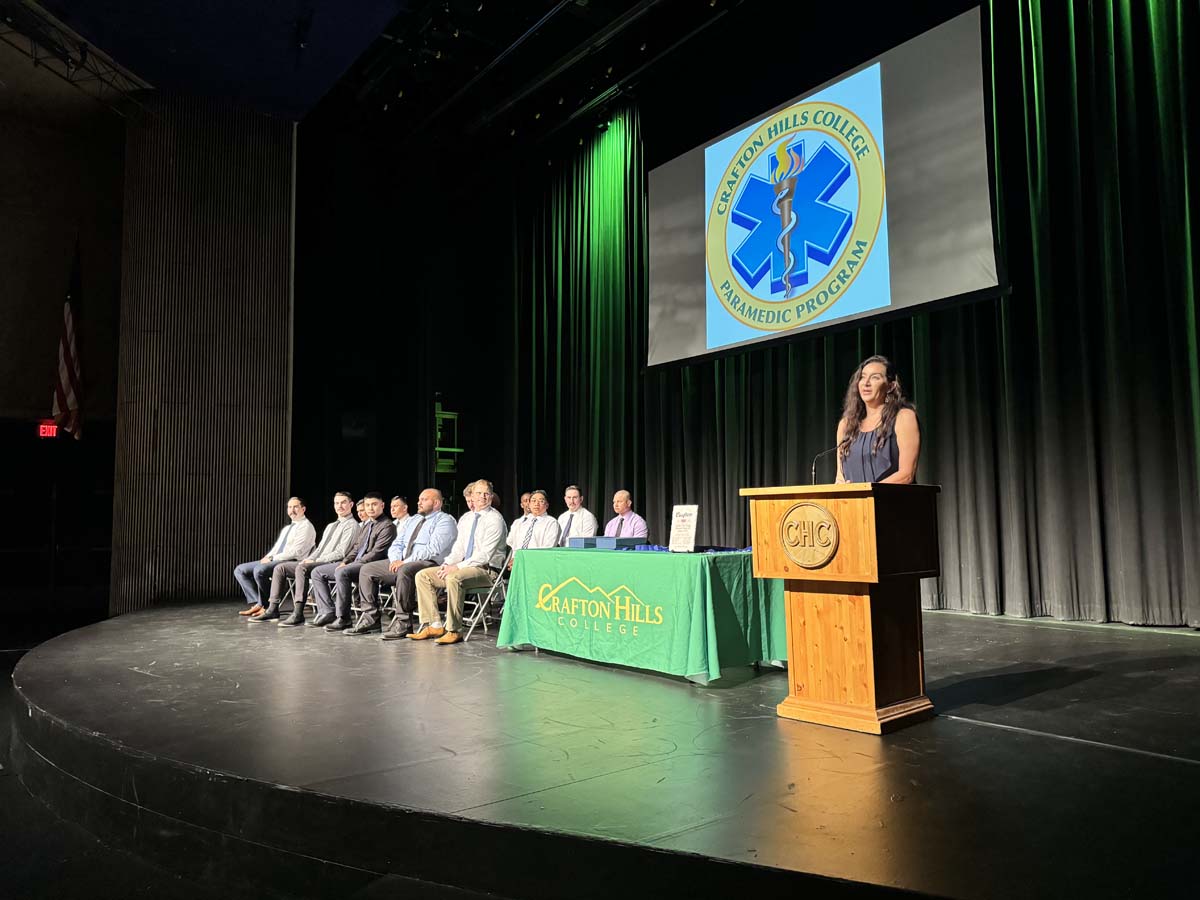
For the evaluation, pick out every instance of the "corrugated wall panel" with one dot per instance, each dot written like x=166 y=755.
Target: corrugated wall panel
x=205 y=356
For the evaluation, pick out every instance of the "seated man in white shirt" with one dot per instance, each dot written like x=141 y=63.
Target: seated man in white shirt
x=538 y=528
x=474 y=561
x=524 y=507
x=577 y=521
x=335 y=541
x=295 y=540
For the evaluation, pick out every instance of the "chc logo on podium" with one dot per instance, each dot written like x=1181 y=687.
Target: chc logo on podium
x=809 y=535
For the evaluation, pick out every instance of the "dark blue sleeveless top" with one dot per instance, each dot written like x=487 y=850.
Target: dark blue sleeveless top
x=863 y=465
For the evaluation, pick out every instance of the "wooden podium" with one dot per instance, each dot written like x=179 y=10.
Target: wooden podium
x=852 y=556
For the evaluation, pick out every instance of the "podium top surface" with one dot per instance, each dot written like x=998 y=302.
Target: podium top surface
x=849 y=489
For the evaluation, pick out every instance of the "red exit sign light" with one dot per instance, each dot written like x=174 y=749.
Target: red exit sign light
x=47 y=430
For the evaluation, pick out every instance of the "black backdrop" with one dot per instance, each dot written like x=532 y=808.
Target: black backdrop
x=1062 y=421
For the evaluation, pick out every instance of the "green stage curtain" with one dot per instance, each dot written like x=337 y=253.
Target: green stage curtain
x=1062 y=420
x=579 y=323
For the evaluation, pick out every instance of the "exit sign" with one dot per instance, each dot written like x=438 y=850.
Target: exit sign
x=47 y=430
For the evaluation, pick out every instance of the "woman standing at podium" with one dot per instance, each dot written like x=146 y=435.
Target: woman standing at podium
x=878 y=437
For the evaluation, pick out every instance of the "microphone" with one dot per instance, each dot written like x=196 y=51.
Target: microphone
x=817 y=457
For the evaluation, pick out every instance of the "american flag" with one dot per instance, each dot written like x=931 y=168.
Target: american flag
x=68 y=390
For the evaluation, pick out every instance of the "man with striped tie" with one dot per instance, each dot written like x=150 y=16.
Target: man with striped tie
x=577 y=521
x=295 y=540
x=536 y=528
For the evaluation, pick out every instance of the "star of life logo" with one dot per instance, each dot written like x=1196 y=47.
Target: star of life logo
x=795 y=216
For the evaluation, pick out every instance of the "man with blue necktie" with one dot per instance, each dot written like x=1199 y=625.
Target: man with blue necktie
x=577 y=521
x=374 y=536
x=474 y=561
x=295 y=540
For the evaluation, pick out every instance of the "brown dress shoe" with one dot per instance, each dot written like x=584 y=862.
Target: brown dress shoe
x=450 y=637
x=426 y=633
x=252 y=610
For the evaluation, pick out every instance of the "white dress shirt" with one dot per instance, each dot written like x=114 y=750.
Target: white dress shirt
x=583 y=524
x=300 y=537
x=488 y=548
x=542 y=531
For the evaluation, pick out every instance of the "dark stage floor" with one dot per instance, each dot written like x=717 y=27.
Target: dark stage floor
x=1065 y=761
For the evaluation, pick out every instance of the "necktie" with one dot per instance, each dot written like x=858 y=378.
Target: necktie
x=620 y=525
x=567 y=530
x=325 y=538
x=362 y=548
x=412 y=539
x=471 y=539
x=282 y=540
x=529 y=521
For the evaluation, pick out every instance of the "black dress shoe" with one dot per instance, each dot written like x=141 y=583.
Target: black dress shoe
x=291 y=620
x=337 y=625
x=322 y=620
x=396 y=634
x=268 y=615
x=365 y=628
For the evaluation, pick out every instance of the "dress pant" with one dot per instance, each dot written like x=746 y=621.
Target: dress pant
x=370 y=577
x=403 y=580
x=344 y=577
x=456 y=584
x=406 y=585
x=299 y=573
x=254 y=578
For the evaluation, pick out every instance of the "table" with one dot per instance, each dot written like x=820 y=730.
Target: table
x=686 y=614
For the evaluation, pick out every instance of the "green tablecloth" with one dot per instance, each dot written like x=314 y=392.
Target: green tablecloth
x=680 y=613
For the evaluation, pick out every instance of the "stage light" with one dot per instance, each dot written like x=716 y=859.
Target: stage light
x=399 y=95
x=536 y=116
x=512 y=132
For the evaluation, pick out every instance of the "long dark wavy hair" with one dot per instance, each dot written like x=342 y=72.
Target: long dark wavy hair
x=854 y=411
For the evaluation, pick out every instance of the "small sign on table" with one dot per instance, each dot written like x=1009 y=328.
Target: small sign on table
x=683 y=529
